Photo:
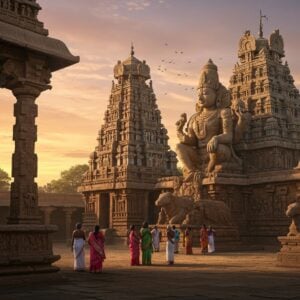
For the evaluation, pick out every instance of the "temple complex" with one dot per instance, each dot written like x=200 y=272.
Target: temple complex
x=27 y=59
x=131 y=154
x=241 y=148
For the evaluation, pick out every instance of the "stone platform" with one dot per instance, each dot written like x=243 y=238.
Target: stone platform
x=26 y=249
x=289 y=255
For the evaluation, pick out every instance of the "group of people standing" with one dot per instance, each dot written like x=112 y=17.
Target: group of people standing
x=147 y=240
x=97 y=254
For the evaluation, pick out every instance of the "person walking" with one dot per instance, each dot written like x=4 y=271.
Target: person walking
x=78 y=242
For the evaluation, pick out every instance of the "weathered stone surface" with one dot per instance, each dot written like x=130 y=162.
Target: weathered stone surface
x=289 y=255
x=27 y=58
x=26 y=249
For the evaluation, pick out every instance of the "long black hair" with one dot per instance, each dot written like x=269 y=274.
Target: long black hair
x=96 y=229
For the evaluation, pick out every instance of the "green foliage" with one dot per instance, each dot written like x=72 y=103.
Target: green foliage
x=4 y=181
x=68 y=182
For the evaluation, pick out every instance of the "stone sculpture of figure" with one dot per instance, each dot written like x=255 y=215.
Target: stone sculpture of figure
x=173 y=208
x=293 y=211
x=209 y=133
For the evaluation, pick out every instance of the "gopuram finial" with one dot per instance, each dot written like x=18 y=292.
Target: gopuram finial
x=261 y=23
x=132 y=50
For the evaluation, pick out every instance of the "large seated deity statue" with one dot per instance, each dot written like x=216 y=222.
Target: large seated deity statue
x=208 y=137
x=205 y=148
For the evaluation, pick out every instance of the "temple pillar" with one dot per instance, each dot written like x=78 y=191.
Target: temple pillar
x=24 y=191
x=68 y=218
x=47 y=213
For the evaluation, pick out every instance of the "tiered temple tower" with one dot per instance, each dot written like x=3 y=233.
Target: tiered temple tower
x=270 y=148
x=132 y=153
x=266 y=177
x=265 y=84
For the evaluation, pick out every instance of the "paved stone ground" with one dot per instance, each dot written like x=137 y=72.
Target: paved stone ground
x=238 y=275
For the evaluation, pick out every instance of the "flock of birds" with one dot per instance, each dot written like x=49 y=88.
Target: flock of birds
x=166 y=65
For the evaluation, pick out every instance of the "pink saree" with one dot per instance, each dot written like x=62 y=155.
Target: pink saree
x=97 y=254
x=134 y=245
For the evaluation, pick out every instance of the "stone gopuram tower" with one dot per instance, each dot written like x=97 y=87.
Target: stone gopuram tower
x=270 y=147
x=261 y=122
x=132 y=153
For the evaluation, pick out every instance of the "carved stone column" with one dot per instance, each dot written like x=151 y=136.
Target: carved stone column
x=47 y=213
x=68 y=215
x=24 y=191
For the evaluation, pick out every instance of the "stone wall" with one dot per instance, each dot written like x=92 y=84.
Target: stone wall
x=62 y=210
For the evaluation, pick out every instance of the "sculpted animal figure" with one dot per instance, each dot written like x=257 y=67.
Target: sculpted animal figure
x=293 y=211
x=210 y=212
x=173 y=208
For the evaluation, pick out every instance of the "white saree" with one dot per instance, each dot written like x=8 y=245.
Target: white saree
x=211 y=243
x=78 y=251
x=170 y=251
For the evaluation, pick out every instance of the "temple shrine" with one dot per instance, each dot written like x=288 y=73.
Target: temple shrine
x=131 y=154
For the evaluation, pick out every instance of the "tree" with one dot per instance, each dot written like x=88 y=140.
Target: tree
x=4 y=181
x=68 y=182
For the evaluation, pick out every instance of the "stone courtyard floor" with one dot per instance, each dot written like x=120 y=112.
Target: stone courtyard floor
x=235 y=275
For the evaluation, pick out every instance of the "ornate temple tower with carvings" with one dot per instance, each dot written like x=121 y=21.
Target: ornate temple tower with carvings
x=270 y=148
x=263 y=175
x=131 y=154
x=264 y=82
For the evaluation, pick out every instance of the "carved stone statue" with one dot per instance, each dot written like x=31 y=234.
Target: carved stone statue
x=293 y=211
x=205 y=147
x=183 y=209
x=173 y=208
x=208 y=137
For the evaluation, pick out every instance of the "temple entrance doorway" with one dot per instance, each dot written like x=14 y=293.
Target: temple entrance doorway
x=153 y=210
x=104 y=209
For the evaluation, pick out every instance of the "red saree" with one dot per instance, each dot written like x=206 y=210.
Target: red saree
x=188 y=242
x=97 y=254
x=203 y=240
x=134 y=245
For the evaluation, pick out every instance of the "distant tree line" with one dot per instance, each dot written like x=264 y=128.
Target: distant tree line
x=4 y=181
x=68 y=182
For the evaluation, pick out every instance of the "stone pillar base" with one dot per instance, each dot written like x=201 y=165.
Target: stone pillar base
x=26 y=249
x=289 y=255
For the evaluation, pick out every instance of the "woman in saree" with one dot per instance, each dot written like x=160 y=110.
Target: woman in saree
x=211 y=239
x=97 y=255
x=134 y=245
x=203 y=239
x=188 y=241
x=146 y=244
x=78 y=241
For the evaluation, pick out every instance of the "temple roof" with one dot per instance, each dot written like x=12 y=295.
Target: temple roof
x=58 y=53
x=132 y=66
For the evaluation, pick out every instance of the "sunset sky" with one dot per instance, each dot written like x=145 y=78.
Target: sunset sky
x=101 y=32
